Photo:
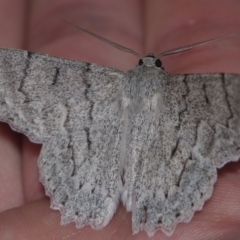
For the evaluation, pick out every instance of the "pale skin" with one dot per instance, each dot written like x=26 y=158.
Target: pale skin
x=155 y=27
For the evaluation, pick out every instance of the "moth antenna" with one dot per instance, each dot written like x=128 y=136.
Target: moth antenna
x=116 y=45
x=189 y=47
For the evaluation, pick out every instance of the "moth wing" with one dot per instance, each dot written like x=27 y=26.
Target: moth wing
x=86 y=187
x=72 y=108
x=35 y=90
x=198 y=131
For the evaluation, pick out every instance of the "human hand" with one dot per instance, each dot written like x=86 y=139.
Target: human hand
x=38 y=27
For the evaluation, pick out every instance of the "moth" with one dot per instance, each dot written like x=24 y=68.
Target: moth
x=148 y=138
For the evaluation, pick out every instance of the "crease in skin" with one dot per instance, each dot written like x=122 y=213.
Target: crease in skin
x=26 y=24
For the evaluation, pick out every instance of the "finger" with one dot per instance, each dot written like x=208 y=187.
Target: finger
x=36 y=220
x=32 y=188
x=116 y=21
x=13 y=17
x=12 y=23
x=171 y=25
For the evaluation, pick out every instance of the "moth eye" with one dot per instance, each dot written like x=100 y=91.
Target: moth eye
x=158 y=63
x=140 y=63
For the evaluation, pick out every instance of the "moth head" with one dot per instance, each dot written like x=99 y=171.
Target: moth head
x=150 y=61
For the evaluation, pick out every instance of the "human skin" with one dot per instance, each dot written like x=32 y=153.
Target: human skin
x=150 y=26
